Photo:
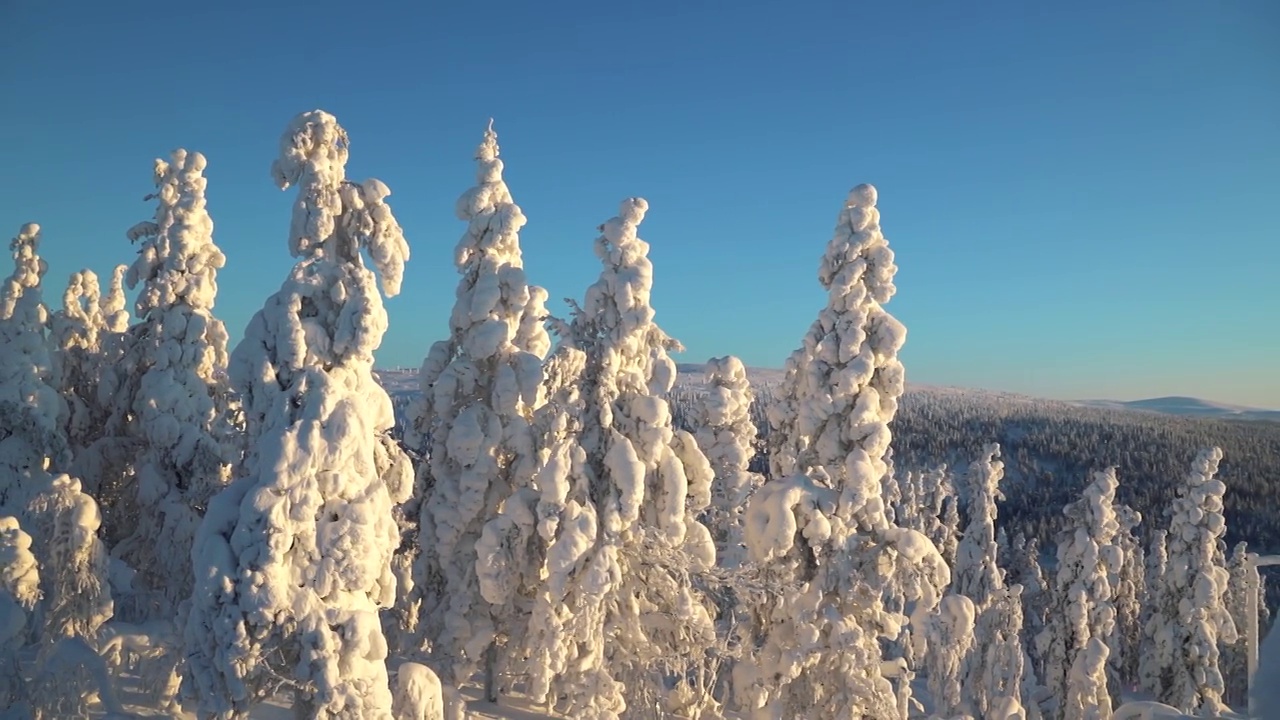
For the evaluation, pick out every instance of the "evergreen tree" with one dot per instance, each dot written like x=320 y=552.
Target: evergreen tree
x=293 y=559
x=725 y=432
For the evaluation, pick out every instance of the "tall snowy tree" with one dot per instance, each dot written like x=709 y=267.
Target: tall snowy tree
x=1128 y=587
x=992 y=680
x=619 y=496
x=1192 y=613
x=976 y=573
x=821 y=520
x=19 y=592
x=1233 y=658
x=1157 y=642
x=481 y=387
x=725 y=432
x=173 y=395
x=293 y=559
x=1083 y=616
x=31 y=411
x=950 y=637
x=74 y=577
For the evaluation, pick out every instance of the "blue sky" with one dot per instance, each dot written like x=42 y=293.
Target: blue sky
x=1082 y=196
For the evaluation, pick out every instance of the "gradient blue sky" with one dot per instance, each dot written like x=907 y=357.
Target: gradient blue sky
x=1083 y=196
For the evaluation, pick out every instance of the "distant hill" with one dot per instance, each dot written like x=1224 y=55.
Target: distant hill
x=1177 y=405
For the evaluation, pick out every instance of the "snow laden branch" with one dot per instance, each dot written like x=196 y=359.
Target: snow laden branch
x=822 y=519
x=293 y=559
x=480 y=389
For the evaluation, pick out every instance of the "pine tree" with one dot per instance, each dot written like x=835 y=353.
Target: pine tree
x=1157 y=640
x=172 y=400
x=619 y=495
x=1083 y=616
x=821 y=520
x=1192 y=613
x=993 y=669
x=19 y=592
x=724 y=430
x=977 y=574
x=1128 y=586
x=293 y=558
x=482 y=386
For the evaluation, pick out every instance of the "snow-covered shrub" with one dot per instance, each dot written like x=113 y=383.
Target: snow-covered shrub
x=820 y=522
x=619 y=492
x=481 y=386
x=1192 y=615
x=1082 y=607
x=418 y=694
x=976 y=574
x=724 y=430
x=73 y=561
x=293 y=559
x=173 y=391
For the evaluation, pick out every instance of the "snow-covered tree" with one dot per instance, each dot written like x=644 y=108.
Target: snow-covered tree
x=976 y=573
x=950 y=637
x=1086 y=690
x=619 y=494
x=1157 y=643
x=1083 y=597
x=992 y=681
x=74 y=563
x=19 y=591
x=481 y=386
x=1128 y=587
x=821 y=521
x=31 y=410
x=723 y=427
x=173 y=393
x=293 y=559
x=1233 y=659
x=1192 y=613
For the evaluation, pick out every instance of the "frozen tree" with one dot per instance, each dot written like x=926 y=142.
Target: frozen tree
x=74 y=578
x=1233 y=658
x=293 y=559
x=950 y=636
x=173 y=396
x=725 y=432
x=619 y=492
x=1157 y=643
x=1128 y=587
x=1192 y=614
x=1083 y=607
x=821 y=521
x=992 y=681
x=481 y=387
x=976 y=573
x=1086 y=690
x=19 y=592
x=31 y=410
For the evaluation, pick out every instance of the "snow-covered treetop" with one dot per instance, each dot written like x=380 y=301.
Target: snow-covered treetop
x=842 y=386
x=178 y=261
x=18 y=574
x=977 y=574
x=333 y=217
x=20 y=300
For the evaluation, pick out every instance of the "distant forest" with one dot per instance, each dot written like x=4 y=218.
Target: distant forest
x=1049 y=448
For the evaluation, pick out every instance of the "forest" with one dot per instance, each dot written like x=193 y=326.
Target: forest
x=192 y=527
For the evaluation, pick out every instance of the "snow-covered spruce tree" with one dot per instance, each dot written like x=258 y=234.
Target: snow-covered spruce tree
x=1022 y=564
x=976 y=573
x=724 y=430
x=74 y=562
x=1082 y=597
x=1233 y=657
x=1192 y=611
x=821 y=521
x=1128 y=588
x=19 y=591
x=950 y=636
x=619 y=496
x=1157 y=640
x=31 y=411
x=173 y=397
x=992 y=680
x=481 y=387
x=293 y=559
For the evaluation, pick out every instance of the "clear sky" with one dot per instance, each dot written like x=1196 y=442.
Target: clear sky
x=1083 y=197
